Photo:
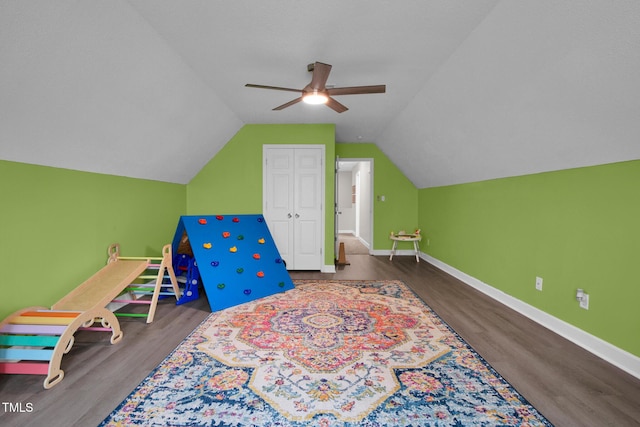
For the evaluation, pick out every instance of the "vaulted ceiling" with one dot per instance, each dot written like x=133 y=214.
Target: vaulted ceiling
x=475 y=89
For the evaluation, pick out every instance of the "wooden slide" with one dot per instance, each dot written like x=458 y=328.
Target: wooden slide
x=33 y=340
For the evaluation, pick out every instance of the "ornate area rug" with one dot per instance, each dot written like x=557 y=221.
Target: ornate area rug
x=327 y=353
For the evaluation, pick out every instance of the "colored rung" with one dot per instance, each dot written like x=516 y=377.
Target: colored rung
x=24 y=354
x=32 y=368
x=147 y=288
x=131 y=314
x=33 y=329
x=148 y=276
x=131 y=301
x=151 y=293
x=34 y=320
x=72 y=314
x=29 y=340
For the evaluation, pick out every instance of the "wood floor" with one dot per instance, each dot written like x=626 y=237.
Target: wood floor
x=570 y=386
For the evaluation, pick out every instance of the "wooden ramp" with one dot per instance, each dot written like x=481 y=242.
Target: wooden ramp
x=103 y=287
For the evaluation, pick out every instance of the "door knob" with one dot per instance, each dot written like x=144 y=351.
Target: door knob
x=297 y=216
x=289 y=215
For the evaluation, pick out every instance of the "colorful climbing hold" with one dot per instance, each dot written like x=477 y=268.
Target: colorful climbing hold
x=215 y=263
x=233 y=249
x=256 y=256
x=236 y=219
x=281 y=284
x=278 y=260
x=260 y=219
x=202 y=221
x=260 y=274
x=241 y=237
x=207 y=245
x=219 y=217
x=221 y=285
x=247 y=291
x=261 y=240
x=240 y=270
x=226 y=234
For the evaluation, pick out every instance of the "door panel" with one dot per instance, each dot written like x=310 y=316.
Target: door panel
x=281 y=237
x=308 y=208
x=278 y=210
x=306 y=239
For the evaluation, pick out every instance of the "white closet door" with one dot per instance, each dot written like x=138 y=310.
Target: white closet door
x=293 y=194
x=279 y=208
x=308 y=209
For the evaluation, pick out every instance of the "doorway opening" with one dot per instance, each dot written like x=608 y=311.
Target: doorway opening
x=354 y=206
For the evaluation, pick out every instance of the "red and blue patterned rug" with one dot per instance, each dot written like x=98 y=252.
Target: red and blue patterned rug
x=327 y=353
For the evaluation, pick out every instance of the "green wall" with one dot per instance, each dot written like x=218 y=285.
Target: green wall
x=56 y=226
x=232 y=181
x=399 y=211
x=574 y=228
x=577 y=228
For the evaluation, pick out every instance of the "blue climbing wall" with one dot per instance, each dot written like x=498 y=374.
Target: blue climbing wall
x=236 y=256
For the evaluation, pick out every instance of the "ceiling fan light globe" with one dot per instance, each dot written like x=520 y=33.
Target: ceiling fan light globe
x=315 y=98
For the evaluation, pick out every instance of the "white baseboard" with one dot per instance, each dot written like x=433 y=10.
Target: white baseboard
x=387 y=252
x=329 y=268
x=612 y=354
x=365 y=243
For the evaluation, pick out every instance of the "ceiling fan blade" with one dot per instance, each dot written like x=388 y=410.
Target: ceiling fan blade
x=357 y=90
x=273 y=87
x=288 y=104
x=320 y=75
x=336 y=106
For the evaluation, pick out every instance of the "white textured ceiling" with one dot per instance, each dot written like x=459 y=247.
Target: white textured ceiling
x=475 y=89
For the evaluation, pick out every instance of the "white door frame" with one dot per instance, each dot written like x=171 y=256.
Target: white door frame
x=322 y=148
x=370 y=207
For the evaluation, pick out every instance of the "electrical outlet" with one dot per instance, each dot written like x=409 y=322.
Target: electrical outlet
x=584 y=301
x=539 y=283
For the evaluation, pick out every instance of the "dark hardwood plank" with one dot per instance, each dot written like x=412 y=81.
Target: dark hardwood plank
x=569 y=385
